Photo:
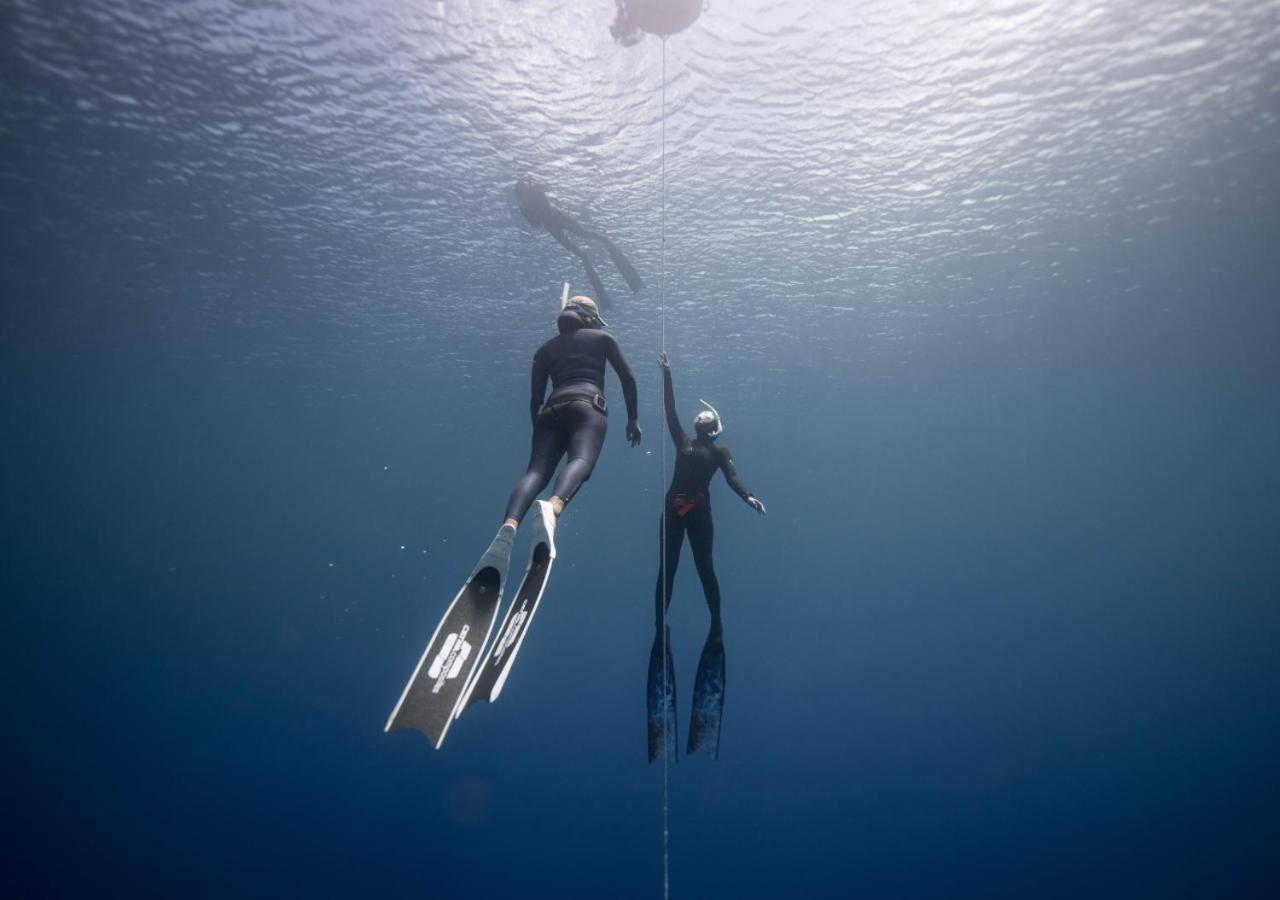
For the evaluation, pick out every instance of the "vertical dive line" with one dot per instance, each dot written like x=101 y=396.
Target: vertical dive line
x=668 y=714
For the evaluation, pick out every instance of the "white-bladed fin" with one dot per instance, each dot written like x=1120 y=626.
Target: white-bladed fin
x=430 y=698
x=491 y=673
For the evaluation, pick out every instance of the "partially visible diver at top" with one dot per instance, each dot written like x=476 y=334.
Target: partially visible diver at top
x=659 y=17
x=688 y=511
x=572 y=421
x=539 y=212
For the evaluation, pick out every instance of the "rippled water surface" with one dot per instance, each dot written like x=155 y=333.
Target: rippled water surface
x=986 y=292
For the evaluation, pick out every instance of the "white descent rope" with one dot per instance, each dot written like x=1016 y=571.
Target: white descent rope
x=668 y=714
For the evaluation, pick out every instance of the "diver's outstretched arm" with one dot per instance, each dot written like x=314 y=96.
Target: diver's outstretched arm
x=634 y=281
x=602 y=298
x=731 y=476
x=669 y=399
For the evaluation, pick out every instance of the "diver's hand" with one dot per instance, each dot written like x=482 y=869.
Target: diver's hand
x=664 y=362
x=633 y=432
x=755 y=504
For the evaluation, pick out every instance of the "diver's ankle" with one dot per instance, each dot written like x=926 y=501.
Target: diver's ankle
x=557 y=505
x=513 y=522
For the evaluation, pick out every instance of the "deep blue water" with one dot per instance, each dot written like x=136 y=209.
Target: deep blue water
x=987 y=296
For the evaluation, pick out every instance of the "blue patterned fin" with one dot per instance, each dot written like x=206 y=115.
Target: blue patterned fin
x=708 y=698
x=661 y=700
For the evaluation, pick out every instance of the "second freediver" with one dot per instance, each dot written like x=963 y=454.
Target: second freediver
x=688 y=512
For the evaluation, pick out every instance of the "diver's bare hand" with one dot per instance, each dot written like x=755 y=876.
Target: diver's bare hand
x=664 y=362
x=633 y=432
x=756 y=504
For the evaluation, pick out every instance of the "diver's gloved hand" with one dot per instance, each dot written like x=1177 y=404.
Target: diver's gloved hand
x=756 y=505
x=664 y=362
x=633 y=432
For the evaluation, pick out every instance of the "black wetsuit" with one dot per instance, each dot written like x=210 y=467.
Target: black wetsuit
x=688 y=506
x=574 y=418
x=539 y=212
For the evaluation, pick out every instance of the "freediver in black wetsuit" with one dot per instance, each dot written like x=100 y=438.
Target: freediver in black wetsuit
x=539 y=212
x=573 y=421
x=574 y=418
x=688 y=510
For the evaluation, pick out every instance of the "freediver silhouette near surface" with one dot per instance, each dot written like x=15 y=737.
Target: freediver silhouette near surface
x=573 y=421
x=541 y=213
x=688 y=512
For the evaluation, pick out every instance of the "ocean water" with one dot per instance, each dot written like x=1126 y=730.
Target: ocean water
x=985 y=292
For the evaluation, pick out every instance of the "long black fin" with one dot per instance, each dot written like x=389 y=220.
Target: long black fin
x=708 y=697
x=628 y=271
x=660 y=697
x=602 y=296
x=633 y=279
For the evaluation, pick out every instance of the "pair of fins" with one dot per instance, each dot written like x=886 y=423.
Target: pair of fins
x=708 y=698
x=452 y=674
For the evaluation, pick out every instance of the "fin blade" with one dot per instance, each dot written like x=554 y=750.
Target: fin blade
x=708 y=698
x=430 y=696
x=492 y=673
x=663 y=731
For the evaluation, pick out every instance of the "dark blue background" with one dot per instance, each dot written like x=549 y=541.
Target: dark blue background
x=1010 y=628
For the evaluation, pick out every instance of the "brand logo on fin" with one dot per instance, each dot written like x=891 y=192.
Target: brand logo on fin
x=513 y=631
x=448 y=662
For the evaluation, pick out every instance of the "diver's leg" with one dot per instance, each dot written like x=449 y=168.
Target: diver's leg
x=634 y=281
x=701 y=537
x=548 y=445
x=670 y=538
x=602 y=298
x=587 y=427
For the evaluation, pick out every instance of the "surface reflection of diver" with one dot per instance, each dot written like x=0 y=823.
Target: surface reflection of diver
x=539 y=212
x=660 y=17
x=688 y=511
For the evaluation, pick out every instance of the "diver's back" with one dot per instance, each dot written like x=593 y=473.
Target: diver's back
x=576 y=361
